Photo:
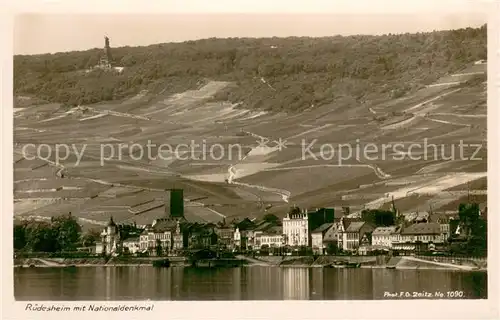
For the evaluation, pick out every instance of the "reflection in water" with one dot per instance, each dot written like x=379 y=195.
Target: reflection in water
x=295 y=283
x=248 y=283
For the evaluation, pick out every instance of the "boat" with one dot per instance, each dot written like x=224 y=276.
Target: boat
x=390 y=267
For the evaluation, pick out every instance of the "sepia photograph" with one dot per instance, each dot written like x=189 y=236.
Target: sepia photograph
x=230 y=157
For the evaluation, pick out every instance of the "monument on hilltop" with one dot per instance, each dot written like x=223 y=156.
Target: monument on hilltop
x=106 y=58
x=106 y=62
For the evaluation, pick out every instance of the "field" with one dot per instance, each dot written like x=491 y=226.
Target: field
x=232 y=162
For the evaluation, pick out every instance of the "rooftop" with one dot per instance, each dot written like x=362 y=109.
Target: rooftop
x=380 y=231
x=132 y=239
x=355 y=226
x=422 y=228
x=347 y=221
x=323 y=228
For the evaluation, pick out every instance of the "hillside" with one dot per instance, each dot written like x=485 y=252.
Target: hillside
x=101 y=178
x=272 y=74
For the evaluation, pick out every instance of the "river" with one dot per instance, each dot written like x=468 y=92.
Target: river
x=245 y=283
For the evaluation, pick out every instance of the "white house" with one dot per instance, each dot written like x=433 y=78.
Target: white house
x=383 y=236
x=272 y=240
x=110 y=237
x=354 y=233
x=131 y=245
x=417 y=234
x=296 y=228
x=160 y=232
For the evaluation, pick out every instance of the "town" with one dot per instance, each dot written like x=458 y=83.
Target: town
x=301 y=232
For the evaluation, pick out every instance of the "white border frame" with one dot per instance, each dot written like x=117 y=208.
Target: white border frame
x=408 y=309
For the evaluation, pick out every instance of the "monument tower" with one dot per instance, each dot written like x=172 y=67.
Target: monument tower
x=107 y=50
x=106 y=59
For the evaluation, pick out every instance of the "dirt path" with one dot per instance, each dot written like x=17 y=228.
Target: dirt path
x=459 y=115
x=419 y=105
x=449 y=122
x=381 y=174
x=285 y=194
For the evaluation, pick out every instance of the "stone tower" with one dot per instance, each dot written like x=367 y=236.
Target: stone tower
x=107 y=50
x=174 y=204
x=106 y=58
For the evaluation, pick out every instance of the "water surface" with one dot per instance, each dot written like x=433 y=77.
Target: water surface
x=245 y=283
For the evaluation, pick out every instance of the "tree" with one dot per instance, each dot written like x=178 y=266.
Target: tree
x=468 y=215
x=40 y=237
x=60 y=234
x=271 y=218
x=66 y=231
x=474 y=228
x=90 y=238
x=332 y=248
x=301 y=70
x=19 y=236
x=379 y=218
x=159 y=249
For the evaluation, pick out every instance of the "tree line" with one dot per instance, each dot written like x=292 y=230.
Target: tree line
x=60 y=234
x=275 y=74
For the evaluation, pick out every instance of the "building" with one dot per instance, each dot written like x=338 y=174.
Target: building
x=110 y=239
x=298 y=224
x=355 y=233
x=131 y=245
x=225 y=236
x=318 y=238
x=271 y=240
x=271 y=237
x=332 y=239
x=158 y=235
x=445 y=222
x=295 y=228
x=243 y=237
x=418 y=236
x=179 y=238
x=174 y=204
x=168 y=233
x=383 y=236
x=201 y=236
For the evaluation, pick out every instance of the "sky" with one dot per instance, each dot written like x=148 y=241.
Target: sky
x=48 y=33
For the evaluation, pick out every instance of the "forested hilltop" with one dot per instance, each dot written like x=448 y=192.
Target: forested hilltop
x=277 y=74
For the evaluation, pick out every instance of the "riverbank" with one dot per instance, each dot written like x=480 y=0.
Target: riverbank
x=375 y=262
x=378 y=262
x=96 y=262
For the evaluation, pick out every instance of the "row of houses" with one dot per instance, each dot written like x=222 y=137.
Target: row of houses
x=323 y=230
x=355 y=235
x=165 y=236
